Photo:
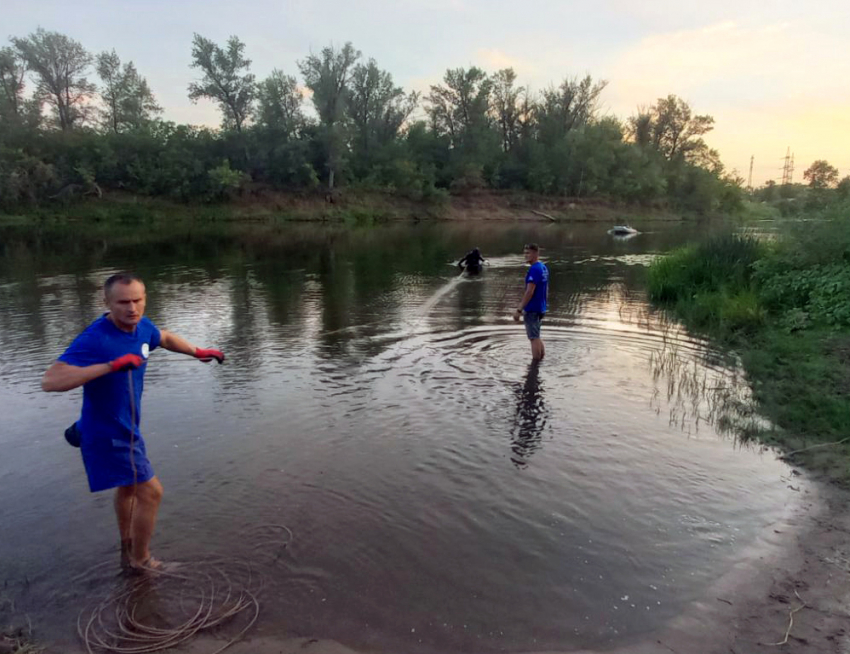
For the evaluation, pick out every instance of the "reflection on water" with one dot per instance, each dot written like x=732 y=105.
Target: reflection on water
x=708 y=391
x=531 y=416
x=377 y=445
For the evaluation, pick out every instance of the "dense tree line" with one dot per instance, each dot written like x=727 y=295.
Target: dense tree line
x=62 y=134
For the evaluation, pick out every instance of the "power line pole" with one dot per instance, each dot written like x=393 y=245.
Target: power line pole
x=791 y=170
x=750 y=179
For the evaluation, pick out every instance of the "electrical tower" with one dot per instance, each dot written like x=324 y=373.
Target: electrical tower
x=786 y=167
x=791 y=170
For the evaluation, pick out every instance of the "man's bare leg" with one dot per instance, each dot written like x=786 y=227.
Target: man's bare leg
x=124 y=510
x=148 y=495
x=537 y=349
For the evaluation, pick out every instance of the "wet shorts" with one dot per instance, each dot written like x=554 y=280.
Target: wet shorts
x=108 y=463
x=533 y=320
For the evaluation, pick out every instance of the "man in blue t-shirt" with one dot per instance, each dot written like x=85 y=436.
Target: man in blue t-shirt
x=533 y=304
x=108 y=359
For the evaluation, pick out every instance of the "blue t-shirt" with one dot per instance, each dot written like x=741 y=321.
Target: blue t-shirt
x=538 y=274
x=107 y=414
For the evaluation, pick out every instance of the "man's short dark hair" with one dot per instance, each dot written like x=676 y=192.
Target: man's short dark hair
x=532 y=246
x=120 y=278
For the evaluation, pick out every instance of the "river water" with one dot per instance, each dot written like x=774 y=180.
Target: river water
x=443 y=495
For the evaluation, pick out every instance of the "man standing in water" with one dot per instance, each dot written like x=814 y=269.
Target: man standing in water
x=108 y=429
x=533 y=303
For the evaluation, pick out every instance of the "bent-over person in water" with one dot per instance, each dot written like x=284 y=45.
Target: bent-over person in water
x=107 y=431
x=532 y=307
x=472 y=261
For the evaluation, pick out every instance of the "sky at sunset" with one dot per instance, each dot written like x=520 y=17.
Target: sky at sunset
x=773 y=74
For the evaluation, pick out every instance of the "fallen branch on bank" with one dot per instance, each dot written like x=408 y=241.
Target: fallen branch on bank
x=545 y=215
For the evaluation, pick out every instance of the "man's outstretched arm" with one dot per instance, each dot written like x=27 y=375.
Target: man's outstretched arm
x=174 y=343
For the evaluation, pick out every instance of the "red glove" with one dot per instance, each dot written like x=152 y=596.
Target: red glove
x=207 y=355
x=126 y=362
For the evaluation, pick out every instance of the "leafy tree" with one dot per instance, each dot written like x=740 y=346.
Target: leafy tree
x=226 y=79
x=672 y=129
x=279 y=104
x=821 y=174
x=128 y=101
x=510 y=107
x=459 y=109
x=377 y=109
x=843 y=188
x=640 y=127
x=328 y=75
x=12 y=72
x=768 y=192
x=60 y=65
x=483 y=131
x=573 y=104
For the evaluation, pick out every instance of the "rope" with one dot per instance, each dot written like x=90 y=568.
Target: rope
x=132 y=390
x=197 y=598
x=185 y=603
x=802 y=606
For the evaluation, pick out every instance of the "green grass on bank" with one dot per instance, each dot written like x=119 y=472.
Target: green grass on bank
x=754 y=212
x=710 y=285
x=785 y=308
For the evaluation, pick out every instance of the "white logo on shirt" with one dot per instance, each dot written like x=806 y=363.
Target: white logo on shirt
x=146 y=350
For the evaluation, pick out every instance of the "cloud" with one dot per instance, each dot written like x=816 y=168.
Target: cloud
x=493 y=59
x=731 y=62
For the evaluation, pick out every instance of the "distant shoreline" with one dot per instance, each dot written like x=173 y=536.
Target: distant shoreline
x=348 y=206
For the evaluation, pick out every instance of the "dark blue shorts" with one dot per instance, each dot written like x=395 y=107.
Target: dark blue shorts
x=108 y=463
x=533 y=320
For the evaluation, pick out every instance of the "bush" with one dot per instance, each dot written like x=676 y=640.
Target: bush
x=808 y=270
x=742 y=311
x=711 y=284
x=724 y=261
x=225 y=182
x=25 y=180
x=469 y=179
x=822 y=292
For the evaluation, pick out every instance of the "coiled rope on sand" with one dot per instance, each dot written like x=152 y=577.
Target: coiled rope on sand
x=162 y=609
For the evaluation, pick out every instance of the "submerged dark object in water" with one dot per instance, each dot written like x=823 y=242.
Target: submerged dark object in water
x=622 y=230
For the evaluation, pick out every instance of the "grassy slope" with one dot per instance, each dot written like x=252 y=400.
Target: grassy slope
x=349 y=206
